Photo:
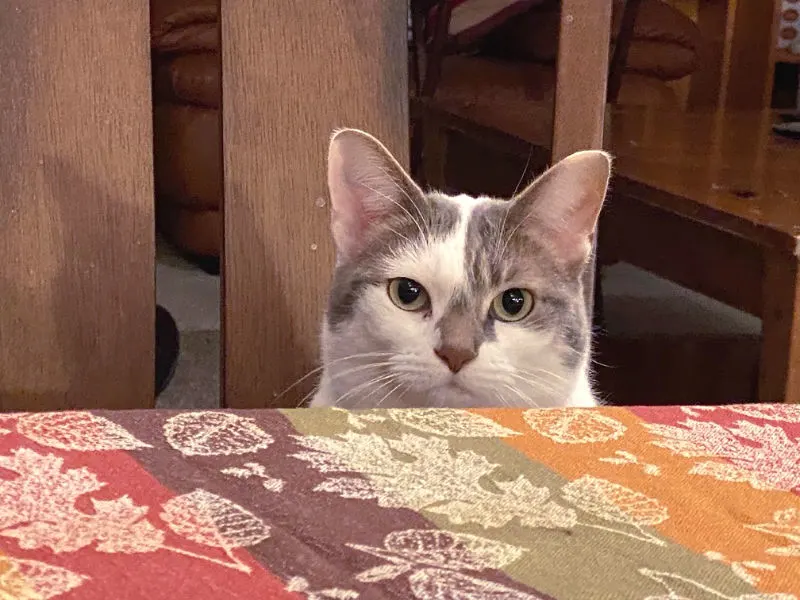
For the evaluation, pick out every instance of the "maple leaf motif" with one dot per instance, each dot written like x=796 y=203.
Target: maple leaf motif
x=532 y=505
x=42 y=491
x=116 y=524
x=762 y=455
x=426 y=474
x=38 y=509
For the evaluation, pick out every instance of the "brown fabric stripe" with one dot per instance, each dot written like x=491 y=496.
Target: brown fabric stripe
x=309 y=529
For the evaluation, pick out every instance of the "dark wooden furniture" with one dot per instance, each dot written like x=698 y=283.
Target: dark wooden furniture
x=710 y=200
x=573 y=122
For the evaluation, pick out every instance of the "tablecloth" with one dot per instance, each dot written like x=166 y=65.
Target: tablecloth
x=440 y=504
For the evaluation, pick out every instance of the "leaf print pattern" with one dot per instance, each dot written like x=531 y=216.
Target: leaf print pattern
x=436 y=584
x=208 y=519
x=22 y=579
x=38 y=508
x=434 y=560
x=51 y=519
x=574 y=427
x=77 y=431
x=789 y=413
x=762 y=455
x=422 y=504
x=616 y=503
x=214 y=434
x=785 y=524
x=300 y=585
x=621 y=457
x=433 y=478
x=450 y=422
x=259 y=471
x=677 y=586
x=116 y=526
x=743 y=569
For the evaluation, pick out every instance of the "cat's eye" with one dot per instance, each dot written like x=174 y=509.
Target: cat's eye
x=512 y=305
x=408 y=294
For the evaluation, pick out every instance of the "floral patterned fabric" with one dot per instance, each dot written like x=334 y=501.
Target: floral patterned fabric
x=436 y=504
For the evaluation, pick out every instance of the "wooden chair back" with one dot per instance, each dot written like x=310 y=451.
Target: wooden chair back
x=76 y=183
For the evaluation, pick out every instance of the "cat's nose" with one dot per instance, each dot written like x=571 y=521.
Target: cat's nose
x=455 y=357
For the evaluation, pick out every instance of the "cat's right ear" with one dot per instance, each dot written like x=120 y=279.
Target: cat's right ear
x=367 y=187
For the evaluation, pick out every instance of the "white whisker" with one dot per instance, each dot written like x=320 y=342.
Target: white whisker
x=398 y=205
x=366 y=384
x=403 y=191
x=332 y=362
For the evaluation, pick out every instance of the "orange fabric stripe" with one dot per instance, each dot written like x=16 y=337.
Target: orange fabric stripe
x=705 y=514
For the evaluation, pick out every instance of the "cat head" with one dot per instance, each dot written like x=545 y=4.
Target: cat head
x=444 y=300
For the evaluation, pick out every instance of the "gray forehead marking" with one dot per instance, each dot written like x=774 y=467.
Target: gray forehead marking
x=499 y=251
x=433 y=215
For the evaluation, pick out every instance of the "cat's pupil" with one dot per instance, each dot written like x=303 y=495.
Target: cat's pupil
x=513 y=301
x=408 y=291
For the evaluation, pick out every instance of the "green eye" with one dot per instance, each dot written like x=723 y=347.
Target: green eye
x=407 y=294
x=512 y=305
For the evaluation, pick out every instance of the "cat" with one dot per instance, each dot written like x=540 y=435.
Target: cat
x=457 y=301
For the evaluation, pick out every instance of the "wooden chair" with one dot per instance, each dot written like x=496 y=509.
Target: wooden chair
x=76 y=183
x=585 y=81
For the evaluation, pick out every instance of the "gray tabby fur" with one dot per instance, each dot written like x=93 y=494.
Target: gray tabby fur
x=464 y=251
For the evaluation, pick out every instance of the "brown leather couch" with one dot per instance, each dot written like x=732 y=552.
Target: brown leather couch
x=665 y=47
x=187 y=123
x=515 y=61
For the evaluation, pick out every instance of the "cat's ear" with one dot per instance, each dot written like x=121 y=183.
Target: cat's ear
x=563 y=204
x=367 y=187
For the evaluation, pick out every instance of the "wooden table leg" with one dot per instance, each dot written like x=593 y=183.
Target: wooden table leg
x=779 y=379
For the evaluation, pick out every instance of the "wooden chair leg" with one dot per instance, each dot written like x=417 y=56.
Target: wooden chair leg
x=779 y=378
x=581 y=85
x=416 y=147
x=434 y=153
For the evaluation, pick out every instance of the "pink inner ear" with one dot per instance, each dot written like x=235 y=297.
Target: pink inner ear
x=352 y=213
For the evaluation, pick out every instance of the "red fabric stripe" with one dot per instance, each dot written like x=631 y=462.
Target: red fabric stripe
x=159 y=575
x=773 y=464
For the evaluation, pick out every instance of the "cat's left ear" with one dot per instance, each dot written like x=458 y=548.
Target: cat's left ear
x=368 y=187
x=564 y=203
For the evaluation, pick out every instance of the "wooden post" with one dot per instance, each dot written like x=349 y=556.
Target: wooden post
x=286 y=86
x=779 y=379
x=581 y=81
x=76 y=205
x=582 y=76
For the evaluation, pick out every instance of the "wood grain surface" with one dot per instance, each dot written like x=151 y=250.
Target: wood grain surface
x=292 y=72
x=582 y=74
x=779 y=379
x=76 y=205
x=581 y=80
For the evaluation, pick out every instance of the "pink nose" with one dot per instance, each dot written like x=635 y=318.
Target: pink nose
x=455 y=357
